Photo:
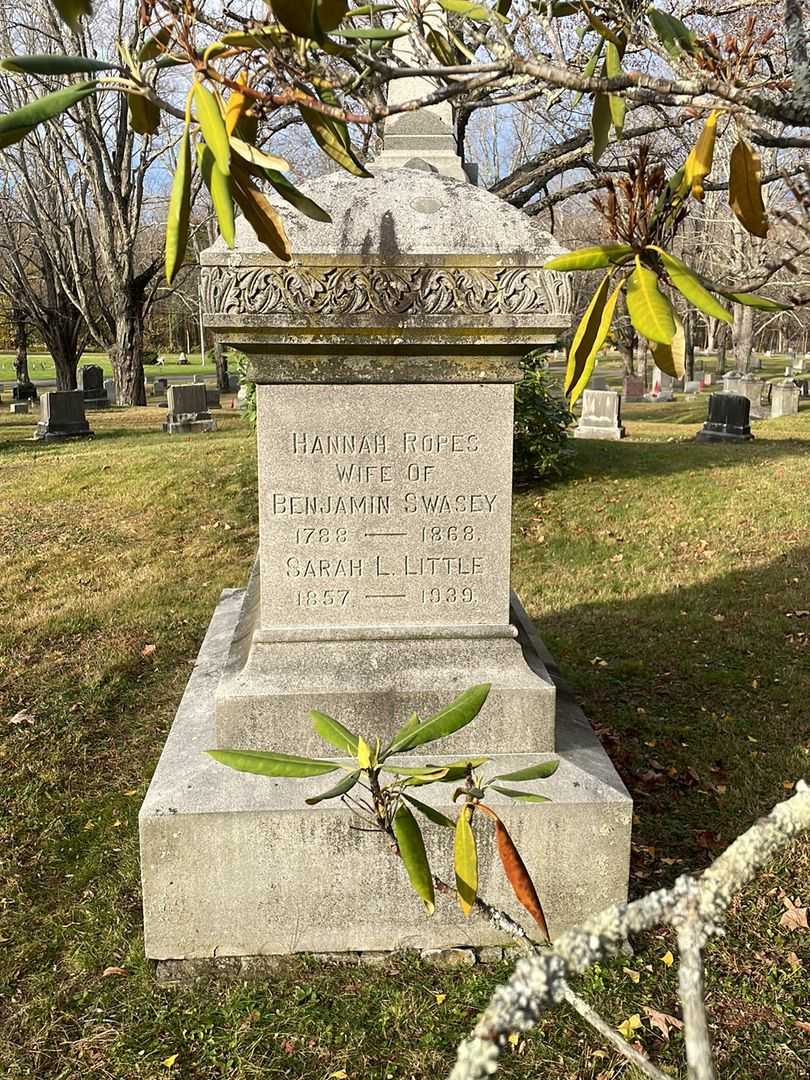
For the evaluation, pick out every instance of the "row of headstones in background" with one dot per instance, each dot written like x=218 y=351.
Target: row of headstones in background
x=729 y=418
x=161 y=385
x=62 y=414
x=665 y=386
x=767 y=400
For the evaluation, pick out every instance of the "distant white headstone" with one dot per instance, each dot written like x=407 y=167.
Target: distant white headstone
x=601 y=416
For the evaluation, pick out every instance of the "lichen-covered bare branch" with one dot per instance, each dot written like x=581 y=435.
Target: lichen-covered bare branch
x=694 y=906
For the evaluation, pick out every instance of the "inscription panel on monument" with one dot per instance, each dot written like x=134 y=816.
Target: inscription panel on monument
x=385 y=505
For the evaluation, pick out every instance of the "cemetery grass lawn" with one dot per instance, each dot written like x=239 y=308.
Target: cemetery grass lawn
x=40 y=366
x=670 y=579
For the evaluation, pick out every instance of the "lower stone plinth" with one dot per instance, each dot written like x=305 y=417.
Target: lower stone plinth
x=182 y=425
x=41 y=433
x=237 y=865
x=373 y=679
x=585 y=431
x=707 y=435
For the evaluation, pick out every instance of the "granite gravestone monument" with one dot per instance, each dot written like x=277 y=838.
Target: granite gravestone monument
x=24 y=392
x=385 y=357
x=785 y=398
x=601 y=416
x=663 y=385
x=188 y=410
x=758 y=393
x=91 y=386
x=728 y=419
x=633 y=388
x=62 y=416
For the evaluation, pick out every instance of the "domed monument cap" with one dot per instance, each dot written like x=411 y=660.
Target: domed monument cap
x=415 y=257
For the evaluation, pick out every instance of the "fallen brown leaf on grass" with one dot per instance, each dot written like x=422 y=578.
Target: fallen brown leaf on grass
x=662 y=1021
x=709 y=840
x=795 y=916
x=147 y=650
x=21 y=717
x=113 y=971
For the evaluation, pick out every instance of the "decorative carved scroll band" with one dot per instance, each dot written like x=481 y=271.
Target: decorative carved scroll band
x=353 y=290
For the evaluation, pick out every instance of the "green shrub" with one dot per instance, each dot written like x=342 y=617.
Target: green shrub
x=237 y=361
x=542 y=419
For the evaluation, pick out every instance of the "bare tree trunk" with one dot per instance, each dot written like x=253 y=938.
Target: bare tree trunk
x=221 y=364
x=743 y=336
x=63 y=330
x=711 y=334
x=689 y=345
x=127 y=352
x=640 y=365
x=722 y=345
x=20 y=347
x=65 y=359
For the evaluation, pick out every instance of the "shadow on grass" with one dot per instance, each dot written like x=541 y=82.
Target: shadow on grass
x=700 y=695
x=679 y=411
x=637 y=458
x=13 y=440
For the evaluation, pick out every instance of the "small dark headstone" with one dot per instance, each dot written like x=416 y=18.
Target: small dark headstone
x=633 y=388
x=728 y=420
x=62 y=416
x=24 y=392
x=91 y=385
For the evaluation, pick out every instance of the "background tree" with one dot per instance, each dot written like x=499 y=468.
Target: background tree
x=573 y=91
x=34 y=235
x=97 y=176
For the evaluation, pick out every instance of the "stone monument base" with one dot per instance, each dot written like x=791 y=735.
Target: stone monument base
x=188 y=425
x=43 y=432
x=371 y=680
x=237 y=865
x=587 y=431
x=707 y=434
